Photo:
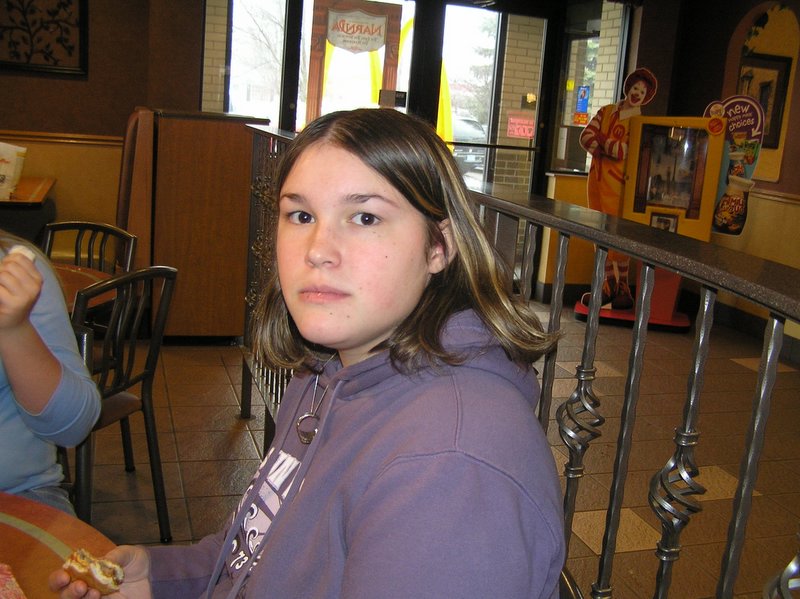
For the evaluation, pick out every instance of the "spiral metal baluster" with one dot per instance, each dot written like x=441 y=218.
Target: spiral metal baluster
x=578 y=418
x=782 y=585
x=672 y=488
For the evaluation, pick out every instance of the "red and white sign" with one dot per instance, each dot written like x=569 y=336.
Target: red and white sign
x=520 y=125
x=356 y=31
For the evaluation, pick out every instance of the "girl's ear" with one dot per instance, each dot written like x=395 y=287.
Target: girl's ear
x=440 y=256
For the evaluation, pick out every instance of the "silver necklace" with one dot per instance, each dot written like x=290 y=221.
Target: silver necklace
x=306 y=435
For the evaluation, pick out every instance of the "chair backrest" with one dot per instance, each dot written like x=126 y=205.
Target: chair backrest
x=129 y=148
x=138 y=311
x=100 y=246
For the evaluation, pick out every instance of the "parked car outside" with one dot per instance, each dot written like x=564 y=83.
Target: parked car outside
x=469 y=130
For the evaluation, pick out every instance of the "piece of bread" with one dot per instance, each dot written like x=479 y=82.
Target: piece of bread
x=25 y=251
x=98 y=573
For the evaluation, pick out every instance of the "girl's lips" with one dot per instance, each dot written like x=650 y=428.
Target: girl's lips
x=321 y=294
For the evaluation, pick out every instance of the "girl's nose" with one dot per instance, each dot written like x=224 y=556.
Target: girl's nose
x=322 y=248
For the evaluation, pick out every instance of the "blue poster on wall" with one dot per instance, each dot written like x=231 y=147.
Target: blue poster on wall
x=582 y=103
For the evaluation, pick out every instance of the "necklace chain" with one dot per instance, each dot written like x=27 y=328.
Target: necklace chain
x=312 y=416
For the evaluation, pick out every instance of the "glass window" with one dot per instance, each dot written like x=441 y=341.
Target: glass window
x=257 y=28
x=590 y=78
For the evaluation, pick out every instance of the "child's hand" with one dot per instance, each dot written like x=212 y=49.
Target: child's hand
x=20 y=285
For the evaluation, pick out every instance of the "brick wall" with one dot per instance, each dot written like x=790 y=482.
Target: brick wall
x=214 y=55
x=607 y=56
x=521 y=76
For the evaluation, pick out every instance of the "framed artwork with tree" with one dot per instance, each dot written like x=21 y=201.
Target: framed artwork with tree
x=49 y=36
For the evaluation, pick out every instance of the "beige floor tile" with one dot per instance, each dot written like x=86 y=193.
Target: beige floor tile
x=634 y=533
x=754 y=363
x=718 y=483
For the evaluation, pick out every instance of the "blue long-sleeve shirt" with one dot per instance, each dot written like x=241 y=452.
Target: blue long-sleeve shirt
x=27 y=441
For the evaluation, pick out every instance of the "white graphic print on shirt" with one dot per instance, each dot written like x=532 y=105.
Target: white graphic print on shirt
x=262 y=509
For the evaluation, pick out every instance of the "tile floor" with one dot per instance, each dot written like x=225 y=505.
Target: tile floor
x=209 y=454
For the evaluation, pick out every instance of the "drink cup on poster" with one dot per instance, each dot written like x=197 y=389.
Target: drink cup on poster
x=730 y=214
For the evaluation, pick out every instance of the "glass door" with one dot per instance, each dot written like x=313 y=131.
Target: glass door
x=488 y=104
x=293 y=60
x=354 y=54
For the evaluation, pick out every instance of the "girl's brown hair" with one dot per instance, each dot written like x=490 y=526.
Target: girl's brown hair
x=406 y=152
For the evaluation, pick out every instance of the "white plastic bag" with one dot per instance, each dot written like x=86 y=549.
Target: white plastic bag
x=11 y=160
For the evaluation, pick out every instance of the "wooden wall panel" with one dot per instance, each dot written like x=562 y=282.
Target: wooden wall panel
x=200 y=220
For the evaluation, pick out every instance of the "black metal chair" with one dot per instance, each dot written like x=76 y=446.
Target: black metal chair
x=99 y=246
x=137 y=317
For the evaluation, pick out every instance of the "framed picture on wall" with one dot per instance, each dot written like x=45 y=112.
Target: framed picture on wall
x=765 y=78
x=49 y=36
x=665 y=221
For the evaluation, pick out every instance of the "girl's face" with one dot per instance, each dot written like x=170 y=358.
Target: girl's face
x=637 y=93
x=352 y=253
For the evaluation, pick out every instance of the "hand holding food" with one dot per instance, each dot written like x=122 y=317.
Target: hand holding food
x=100 y=574
x=135 y=563
x=20 y=285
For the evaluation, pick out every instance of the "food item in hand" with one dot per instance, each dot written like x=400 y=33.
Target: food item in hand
x=98 y=573
x=25 y=251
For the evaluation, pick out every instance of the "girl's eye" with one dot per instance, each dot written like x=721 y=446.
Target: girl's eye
x=299 y=217
x=365 y=219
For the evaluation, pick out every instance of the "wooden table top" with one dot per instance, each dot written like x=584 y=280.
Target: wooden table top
x=30 y=191
x=35 y=539
x=74 y=278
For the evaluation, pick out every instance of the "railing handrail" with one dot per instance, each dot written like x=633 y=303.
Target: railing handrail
x=769 y=284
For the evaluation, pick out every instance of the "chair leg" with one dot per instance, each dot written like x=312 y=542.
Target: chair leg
x=156 y=472
x=127 y=445
x=83 y=479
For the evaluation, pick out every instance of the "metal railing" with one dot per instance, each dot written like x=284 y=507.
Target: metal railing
x=513 y=223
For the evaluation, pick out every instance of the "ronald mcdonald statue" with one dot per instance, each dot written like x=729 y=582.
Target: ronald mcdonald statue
x=606 y=139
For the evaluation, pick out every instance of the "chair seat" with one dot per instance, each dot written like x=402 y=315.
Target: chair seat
x=117 y=407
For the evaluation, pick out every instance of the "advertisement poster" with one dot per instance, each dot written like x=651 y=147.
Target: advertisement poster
x=581 y=114
x=743 y=140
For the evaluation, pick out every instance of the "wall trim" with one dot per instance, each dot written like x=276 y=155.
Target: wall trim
x=61 y=138
x=774 y=196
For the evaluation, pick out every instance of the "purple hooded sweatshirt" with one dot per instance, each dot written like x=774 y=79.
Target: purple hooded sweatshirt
x=434 y=485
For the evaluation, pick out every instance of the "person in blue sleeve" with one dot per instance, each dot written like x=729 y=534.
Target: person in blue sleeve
x=47 y=396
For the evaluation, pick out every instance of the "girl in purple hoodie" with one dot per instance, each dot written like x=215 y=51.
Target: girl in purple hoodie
x=407 y=461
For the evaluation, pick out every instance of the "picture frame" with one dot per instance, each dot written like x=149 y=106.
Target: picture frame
x=765 y=78
x=51 y=38
x=665 y=221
